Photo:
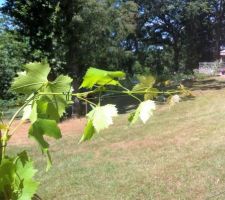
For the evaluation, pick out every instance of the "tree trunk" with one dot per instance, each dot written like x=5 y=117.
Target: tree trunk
x=176 y=58
x=219 y=24
x=69 y=9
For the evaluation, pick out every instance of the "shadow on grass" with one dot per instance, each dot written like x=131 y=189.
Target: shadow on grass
x=124 y=103
x=211 y=84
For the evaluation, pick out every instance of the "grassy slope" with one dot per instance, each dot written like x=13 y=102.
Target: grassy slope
x=179 y=154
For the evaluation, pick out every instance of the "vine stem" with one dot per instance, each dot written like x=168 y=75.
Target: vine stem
x=5 y=136
x=127 y=91
x=78 y=95
x=130 y=93
x=62 y=93
x=16 y=113
x=86 y=100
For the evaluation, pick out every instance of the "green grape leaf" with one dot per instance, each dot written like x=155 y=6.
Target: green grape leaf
x=43 y=127
x=32 y=79
x=151 y=93
x=26 y=172
x=52 y=103
x=59 y=102
x=101 y=116
x=101 y=77
x=144 y=112
x=56 y=93
x=46 y=110
x=89 y=131
x=7 y=172
x=33 y=115
x=27 y=111
x=145 y=82
x=16 y=177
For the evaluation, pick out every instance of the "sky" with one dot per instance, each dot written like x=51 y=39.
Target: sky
x=2 y=1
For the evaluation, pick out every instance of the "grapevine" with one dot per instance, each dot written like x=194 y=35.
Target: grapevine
x=46 y=105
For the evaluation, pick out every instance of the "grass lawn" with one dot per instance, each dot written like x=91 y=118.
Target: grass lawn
x=178 y=154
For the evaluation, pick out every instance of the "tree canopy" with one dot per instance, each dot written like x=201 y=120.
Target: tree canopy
x=132 y=35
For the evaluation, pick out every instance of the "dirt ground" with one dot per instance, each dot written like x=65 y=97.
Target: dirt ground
x=70 y=126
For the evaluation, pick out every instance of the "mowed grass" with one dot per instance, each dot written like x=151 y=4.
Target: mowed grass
x=178 y=154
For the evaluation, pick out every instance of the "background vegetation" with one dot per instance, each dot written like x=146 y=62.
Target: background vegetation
x=136 y=36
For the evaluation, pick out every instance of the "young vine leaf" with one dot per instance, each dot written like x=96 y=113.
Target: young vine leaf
x=16 y=178
x=145 y=82
x=89 y=131
x=145 y=85
x=151 y=93
x=62 y=84
x=43 y=127
x=33 y=79
x=101 y=77
x=101 y=117
x=144 y=112
x=26 y=172
x=50 y=101
x=44 y=109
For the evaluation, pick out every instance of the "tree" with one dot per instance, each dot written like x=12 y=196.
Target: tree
x=160 y=24
x=192 y=29
x=13 y=51
x=76 y=34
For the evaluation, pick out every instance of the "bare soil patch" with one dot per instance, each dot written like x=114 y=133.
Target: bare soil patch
x=68 y=127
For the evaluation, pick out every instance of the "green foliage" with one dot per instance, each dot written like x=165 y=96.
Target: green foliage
x=43 y=127
x=146 y=84
x=16 y=178
x=101 y=116
x=74 y=35
x=89 y=131
x=144 y=112
x=32 y=79
x=178 y=34
x=43 y=110
x=134 y=35
x=16 y=101
x=200 y=76
x=99 y=119
x=100 y=77
x=12 y=58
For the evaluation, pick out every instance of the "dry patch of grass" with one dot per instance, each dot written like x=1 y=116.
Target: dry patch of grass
x=179 y=154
